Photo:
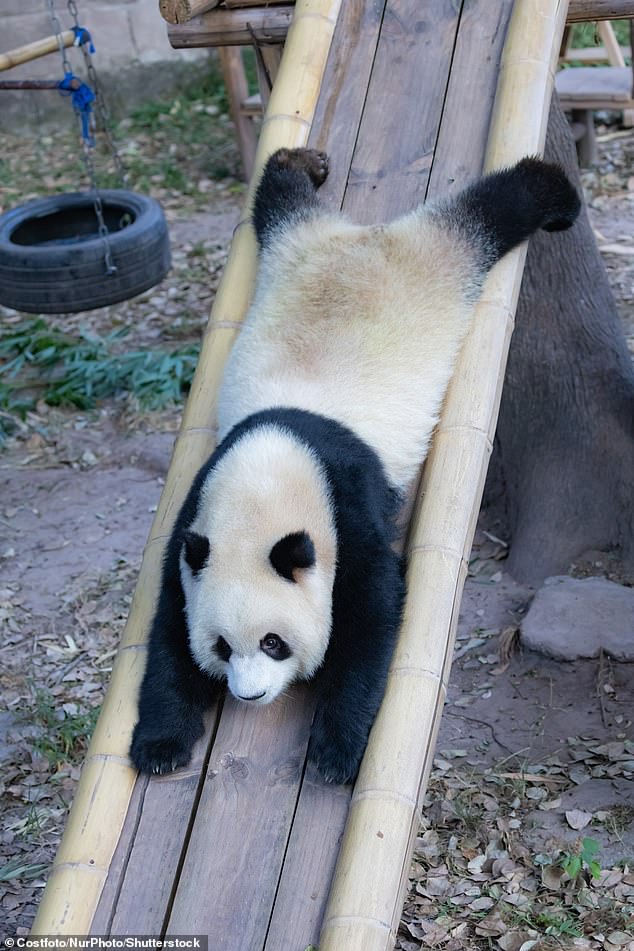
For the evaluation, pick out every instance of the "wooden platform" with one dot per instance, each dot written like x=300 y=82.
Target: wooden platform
x=242 y=844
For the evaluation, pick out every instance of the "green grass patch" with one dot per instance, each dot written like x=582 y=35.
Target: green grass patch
x=583 y=35
x=65 y=736
x=38 y=361
x=20 y=868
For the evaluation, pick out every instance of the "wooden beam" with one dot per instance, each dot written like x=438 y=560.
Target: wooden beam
x=581 y=11
x=31 y=51
x=180 y=11
x=233 y=28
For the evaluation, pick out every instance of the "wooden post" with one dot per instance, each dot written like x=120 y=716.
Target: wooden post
x=237 y=92
x=180 y=11
x=366 y=897
x=31 y=51
x=99 y=810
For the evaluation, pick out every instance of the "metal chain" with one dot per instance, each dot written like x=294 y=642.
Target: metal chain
x=100 y=102
x=57 y=29
x=89 y=165
x=111 y=267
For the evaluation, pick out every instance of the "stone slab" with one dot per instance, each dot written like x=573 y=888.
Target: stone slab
x=578 y=617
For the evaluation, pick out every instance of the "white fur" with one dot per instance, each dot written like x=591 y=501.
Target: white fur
x=266 y=486
x=362 y=324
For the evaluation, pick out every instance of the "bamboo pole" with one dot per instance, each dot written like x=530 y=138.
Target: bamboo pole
x=107 y=780
x=31 y=51
x=366 y=897
x=581 y=11
x=180 y=11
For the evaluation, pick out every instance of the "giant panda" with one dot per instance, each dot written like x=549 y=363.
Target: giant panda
x=281 y=566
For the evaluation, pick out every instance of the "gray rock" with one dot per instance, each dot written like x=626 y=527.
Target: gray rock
x=577 y=617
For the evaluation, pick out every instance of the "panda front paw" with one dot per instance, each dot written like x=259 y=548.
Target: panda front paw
x=336 y=752
x=154 y=753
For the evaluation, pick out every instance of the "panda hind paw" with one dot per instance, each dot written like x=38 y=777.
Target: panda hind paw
x=311 y=161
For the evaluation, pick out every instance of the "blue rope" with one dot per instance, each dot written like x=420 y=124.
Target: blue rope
x=83 y=36
x=82 y=99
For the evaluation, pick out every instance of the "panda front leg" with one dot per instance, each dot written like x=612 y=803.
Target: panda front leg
x=506 y=207
x=174 y=692
x=287 y=192
x=368 y=612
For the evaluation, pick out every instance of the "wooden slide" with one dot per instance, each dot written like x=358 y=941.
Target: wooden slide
x=246 y=845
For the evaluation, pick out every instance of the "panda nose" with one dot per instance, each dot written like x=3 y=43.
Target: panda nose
x=256 y=696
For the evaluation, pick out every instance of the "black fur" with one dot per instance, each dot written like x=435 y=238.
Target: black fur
x=367 y=603
x=196 y=550
x=287 y=191
x=494 y=214
x=504 y=208
x=292 y=552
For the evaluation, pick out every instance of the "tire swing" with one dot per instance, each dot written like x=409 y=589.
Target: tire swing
x=82 y=250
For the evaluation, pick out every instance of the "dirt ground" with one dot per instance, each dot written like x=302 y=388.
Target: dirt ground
x=535 y=758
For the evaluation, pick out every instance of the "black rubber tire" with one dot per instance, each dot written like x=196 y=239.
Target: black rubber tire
x=48 y=268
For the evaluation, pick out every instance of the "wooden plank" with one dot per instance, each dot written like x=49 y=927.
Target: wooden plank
x=468 y=106
x=592 y=55
x=309 y=864
x=255 y=3
x=587 y=87
x=394 y=149
x=149 y=852
x=340 y=107
x=230 y=873
x=580 y=11
x=107 y=900
x=232 y=28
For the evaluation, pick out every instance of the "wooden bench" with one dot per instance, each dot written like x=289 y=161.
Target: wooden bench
x=584 y=89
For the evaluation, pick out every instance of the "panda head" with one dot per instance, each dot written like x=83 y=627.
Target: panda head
x=257 y=566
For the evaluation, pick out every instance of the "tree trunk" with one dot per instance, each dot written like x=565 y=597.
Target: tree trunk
x=562 y=473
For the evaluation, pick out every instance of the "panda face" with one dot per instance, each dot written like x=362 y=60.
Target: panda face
x=258 y=565
x=263 y=676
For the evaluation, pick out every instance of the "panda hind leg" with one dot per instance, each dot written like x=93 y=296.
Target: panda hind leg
x=287 y=192
x=506 y=207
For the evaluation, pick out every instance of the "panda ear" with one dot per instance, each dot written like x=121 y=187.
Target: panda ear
x=196 y=550
x=291 y=553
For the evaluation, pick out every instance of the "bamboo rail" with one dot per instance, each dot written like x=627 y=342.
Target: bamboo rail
x=580 y=11
x=31 y=51
x=107 y=779
x=371 y=875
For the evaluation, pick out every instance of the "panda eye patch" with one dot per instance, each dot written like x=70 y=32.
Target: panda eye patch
x=275 y=647
x=222 y=649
